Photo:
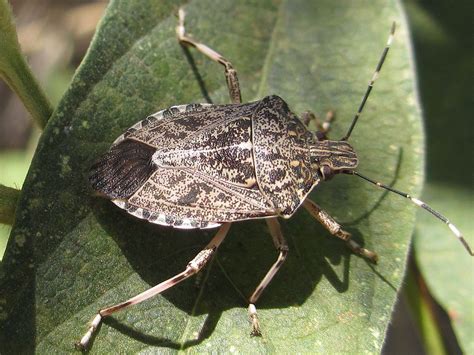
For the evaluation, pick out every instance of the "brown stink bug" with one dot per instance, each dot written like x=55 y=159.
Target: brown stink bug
x=206 y=166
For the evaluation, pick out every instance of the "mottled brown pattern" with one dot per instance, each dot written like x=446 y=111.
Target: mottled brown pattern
x=282 y=155
x=336 y=154
x=224 y=163
x=220 y=151
x=187 y=194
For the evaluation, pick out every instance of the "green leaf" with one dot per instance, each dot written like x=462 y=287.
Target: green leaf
x=8 y=200
x=15 y=70
x=14 y=165
x=439 y=30
x=448 y=268
x=72 y=253
x=421 y=305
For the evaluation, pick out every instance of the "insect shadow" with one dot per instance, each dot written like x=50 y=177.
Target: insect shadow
x=197 y=75
x=155 y=253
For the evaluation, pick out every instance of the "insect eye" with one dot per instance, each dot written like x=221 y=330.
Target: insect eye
x=327 y=172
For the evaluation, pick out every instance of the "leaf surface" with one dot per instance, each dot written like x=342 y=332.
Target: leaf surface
x=447 y=268
x=71 y=253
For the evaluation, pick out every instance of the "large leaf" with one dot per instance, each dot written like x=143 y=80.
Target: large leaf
x=14 y=168
x=72 y=253
x=438 y=31
x=448 y=269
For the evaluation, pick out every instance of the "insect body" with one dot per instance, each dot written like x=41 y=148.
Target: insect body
x=206 y=166
x=197 y=166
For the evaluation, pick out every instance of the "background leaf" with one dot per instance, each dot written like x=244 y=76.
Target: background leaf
x=71 y=253
x=447 y=268
x=439 y=30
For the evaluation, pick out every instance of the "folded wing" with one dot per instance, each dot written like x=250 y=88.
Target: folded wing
x=185 y=198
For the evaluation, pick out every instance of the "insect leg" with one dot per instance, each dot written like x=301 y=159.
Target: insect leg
x=323 y=127
x=230 y=72
x=335 y=229
x=282 y=247
x=194 y=266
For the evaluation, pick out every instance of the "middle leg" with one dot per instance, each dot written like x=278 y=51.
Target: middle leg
x=281 y=245
x=335 y=229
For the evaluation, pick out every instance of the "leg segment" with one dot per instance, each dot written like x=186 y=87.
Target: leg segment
x=194 y=266
x=323 y=127
x=230 y=73
x=335 y=229
x=282 y=247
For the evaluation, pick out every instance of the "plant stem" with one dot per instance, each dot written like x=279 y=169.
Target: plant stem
x=422 y=306
x=15 y=70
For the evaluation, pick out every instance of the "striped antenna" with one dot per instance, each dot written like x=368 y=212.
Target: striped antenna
x=371 y=83
x=421 y=204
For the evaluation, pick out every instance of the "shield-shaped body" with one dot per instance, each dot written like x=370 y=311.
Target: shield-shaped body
x=200 y=165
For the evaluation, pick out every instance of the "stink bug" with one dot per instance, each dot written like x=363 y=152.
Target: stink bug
x=206 y=166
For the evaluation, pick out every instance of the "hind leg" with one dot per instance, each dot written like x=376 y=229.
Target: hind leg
x=281 y=245
x=193 y=267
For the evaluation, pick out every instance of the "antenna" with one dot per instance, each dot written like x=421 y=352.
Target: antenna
x=371 y=83
x=421 y=204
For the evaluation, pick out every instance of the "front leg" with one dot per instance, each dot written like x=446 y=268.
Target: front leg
x=323 y=127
